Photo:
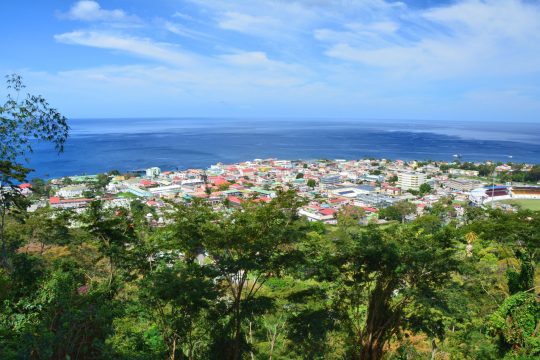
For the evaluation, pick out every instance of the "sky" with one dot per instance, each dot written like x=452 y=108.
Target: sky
x=367 y=59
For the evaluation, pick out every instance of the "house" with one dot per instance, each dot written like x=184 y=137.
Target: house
x=72 y=191
x=234 y=201
x=26 y=189
x=315 y=213
x=56 y=202
x=264 y=193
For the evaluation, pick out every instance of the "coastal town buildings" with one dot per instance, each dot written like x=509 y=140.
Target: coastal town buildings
x=328 y=187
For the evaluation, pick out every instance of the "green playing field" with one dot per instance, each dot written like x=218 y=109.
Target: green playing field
x=525 y=203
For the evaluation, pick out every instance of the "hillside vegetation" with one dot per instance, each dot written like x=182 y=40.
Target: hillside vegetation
x=259 y=282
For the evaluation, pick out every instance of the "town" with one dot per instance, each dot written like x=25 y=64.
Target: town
x=367 y=186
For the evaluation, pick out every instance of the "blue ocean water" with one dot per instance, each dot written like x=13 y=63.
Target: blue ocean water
x=99 y=145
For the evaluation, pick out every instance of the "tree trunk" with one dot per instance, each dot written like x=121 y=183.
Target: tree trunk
x=380 y=321
x=273 y=339
x=4 y=261
x=251 y=340
x=371 y=349
x=173 y=352
x=433 y=349
x=237 y=332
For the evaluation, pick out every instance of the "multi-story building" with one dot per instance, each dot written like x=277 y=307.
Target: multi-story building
x=153 y=172
x=411 y=180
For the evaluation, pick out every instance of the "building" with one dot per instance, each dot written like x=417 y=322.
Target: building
x=137 y=191
x=462 y=172
x=72 y=191
x=461 y=184
x=372 y=178
x=352 y=192
x=316 y=213
x=411 y=180
x=330 y=180
x=153 y=172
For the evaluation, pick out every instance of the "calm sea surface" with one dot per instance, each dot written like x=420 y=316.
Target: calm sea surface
x=99 y=145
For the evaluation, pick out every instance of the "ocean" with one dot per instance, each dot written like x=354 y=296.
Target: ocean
x=100 y=145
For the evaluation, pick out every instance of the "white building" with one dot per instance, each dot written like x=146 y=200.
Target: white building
x=72 y=191
x=153 y=172
x=411 y=180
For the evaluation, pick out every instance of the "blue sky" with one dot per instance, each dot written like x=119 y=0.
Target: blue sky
x=440 y=60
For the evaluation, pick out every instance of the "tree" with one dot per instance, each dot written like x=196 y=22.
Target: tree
x=102 y=181
x=192 y=224
x=398 y=211
x=177 y=293
x=10 y=197
x=40 y=187
x=254 y=243
x=21 y=121
x=300 y=176
x=48 y=227
x=517 y=325
x=350 y=216
x=425 y=188
x=25 y=119
x=392 y=279
x=114 y=234
x=311 y=183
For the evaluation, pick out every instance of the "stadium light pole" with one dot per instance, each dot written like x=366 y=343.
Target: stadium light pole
x=492 y=189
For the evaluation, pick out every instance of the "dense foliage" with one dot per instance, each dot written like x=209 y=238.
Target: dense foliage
x=260 y=282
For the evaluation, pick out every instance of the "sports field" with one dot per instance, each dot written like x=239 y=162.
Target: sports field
x=525 y=203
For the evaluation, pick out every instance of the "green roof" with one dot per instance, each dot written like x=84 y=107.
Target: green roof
x=262 y=191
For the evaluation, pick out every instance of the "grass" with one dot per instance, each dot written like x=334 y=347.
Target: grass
x=127 y=195
x=529 y=204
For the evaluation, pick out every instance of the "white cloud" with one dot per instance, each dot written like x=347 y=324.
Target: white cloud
x=181 y=30
x=350 y=53
x=88 y=10
x=137 y=46
x=182 y=15
x=258 y=59
x=247 y=23
x=497 y=37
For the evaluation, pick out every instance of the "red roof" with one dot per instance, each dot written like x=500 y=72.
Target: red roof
x=25 y=186
x=328 y=211
x=217 y=180
x=370 y=209
x=147 y=183
x=57 y=200
x=234 y=199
